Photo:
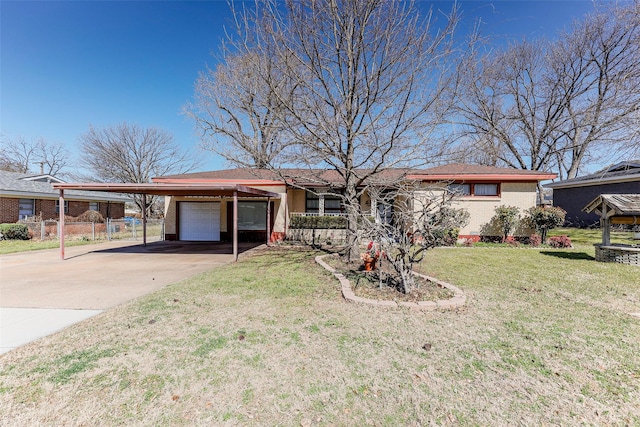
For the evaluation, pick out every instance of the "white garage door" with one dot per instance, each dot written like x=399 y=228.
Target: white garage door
x=200 y=221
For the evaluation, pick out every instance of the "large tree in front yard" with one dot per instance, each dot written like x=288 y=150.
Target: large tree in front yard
x=367 y=87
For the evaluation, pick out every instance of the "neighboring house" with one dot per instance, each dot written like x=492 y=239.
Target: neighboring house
x=573 y=195
x=480 y=190
x=25 y=195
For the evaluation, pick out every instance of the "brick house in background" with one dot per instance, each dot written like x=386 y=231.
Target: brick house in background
x=27 y=195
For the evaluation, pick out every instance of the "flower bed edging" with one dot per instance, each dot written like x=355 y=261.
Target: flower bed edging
x=458 y=299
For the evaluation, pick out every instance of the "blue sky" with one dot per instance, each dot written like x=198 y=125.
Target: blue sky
x=65 y=65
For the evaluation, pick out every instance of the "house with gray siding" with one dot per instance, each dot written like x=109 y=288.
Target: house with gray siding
x=573 y=195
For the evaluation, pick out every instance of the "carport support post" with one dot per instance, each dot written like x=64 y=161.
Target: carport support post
x=235 y=226
x=144 y=220
x=61 y=237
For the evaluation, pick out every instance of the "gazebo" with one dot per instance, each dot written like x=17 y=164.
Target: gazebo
x=616 y=209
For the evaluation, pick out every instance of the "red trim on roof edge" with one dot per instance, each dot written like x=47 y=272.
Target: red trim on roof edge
x=482 y=177
x=252 y=182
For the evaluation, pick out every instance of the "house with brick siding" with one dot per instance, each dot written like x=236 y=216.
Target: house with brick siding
x=479 y=189
x=28 y=195
x=574 y=194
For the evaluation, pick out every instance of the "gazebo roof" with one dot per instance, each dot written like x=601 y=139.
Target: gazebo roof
x=616 y=204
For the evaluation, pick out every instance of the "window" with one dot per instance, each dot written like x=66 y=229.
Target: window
x=252 y=216
x=66 y=207
x=26 y=208
x=332 y=204
x=474 y=189
x=460 y=189
x=313 y=203
x=485 y=189
x=94 y=206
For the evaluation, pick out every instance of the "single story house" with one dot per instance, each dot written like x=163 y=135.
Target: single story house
x=573 y=195
x=27 y=195
x=480 y=190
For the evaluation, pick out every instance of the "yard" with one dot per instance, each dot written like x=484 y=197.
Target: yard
x=546 y=338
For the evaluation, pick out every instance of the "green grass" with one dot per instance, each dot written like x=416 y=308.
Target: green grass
x=545 y=339
x=12 y=246
x=591 y=236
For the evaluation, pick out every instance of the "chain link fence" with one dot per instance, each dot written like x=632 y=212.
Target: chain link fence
x=111 y=229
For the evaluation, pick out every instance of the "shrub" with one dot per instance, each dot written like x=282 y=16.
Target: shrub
x=90 y=216
x=545 y=218
x=535 y=240
x=314 y=222
x=446 y=237
x=560 y=242
x=507 y=217
x=14 y=232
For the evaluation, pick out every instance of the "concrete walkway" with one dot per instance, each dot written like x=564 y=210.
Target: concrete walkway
x=41 y=294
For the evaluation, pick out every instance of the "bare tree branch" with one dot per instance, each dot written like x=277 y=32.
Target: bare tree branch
x=367 y=85
x=553 y=105
x=21 y=155
x=129 y=153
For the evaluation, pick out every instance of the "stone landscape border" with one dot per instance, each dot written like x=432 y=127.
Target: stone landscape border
x=458 y=300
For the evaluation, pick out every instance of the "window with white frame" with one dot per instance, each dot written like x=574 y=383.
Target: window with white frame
x=332 y=202
x=26 y=208
x=66 y=207
x=94 y=206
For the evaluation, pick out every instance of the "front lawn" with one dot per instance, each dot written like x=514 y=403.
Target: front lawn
x=546 y=338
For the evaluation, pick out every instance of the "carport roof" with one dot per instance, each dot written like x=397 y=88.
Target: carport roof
x=170 y=189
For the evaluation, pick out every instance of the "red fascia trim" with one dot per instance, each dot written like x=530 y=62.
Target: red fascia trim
x=247 y=182
x=482 y=177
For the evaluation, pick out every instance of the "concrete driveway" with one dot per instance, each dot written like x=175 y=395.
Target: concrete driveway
x=40 y=294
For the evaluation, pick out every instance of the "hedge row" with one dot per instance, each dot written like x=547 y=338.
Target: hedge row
x=312 y=222
x=14 y=232
x=328 y=222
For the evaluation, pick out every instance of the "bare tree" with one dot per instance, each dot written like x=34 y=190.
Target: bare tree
x=130 y=153
x=238 y=113
x=21 y=155
x=552 y=105
x=369 y=86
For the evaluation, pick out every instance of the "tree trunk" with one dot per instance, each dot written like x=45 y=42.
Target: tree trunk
x=352 y=205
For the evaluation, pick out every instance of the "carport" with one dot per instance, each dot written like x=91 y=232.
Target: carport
x=171 y=189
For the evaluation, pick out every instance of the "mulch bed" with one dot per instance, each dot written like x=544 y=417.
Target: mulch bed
x=379 y=285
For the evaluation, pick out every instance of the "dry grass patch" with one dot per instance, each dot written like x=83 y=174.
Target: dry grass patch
x=269 y=341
